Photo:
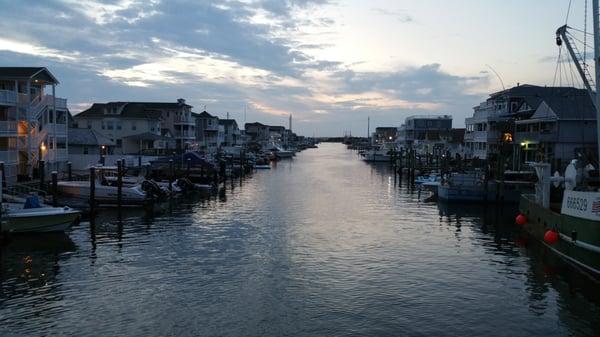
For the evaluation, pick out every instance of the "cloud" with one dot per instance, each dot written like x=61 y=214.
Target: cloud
x=400 y=15
x=258 y=54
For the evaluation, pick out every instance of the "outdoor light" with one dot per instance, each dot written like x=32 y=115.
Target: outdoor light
x=390 y=137
x=103 y=147
x=523 y=144
x=43 y=147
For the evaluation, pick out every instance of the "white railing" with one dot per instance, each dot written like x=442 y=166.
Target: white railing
x=184 y=120
x=8 y=97
x=8 y=127
x=61 y=129
x=9 y=156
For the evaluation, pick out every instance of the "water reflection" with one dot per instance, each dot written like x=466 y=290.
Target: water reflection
x=323 y=244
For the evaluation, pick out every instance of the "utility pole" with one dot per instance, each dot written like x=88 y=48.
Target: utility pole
x=369 y=129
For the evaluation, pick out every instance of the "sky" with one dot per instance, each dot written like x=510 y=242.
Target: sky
x=331 y=64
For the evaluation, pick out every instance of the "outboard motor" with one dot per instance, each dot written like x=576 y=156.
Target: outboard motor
x=185 y=184
x=152 y=189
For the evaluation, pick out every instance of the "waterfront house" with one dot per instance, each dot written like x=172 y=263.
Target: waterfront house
x=530 y=116
x=33 y=122
x=89 y=142
x=385 y=135
x=231 y=132
x=207 y=132
x=257 y=132
x=138 y=126
x=555 y=127
x=425 y=134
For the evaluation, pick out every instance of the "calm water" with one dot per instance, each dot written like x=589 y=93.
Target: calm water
x=322 y=245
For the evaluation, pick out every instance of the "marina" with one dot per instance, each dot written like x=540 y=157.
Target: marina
x=270 y=255
x=202 y=168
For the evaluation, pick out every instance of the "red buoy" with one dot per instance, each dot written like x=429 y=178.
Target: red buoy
x=521 y=219
x=551 y=237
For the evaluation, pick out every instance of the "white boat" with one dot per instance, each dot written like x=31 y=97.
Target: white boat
x=104 y=194
x=430 y=178
x=379 y=154
x=262 y=167
x=16 y=219
x=281 y=153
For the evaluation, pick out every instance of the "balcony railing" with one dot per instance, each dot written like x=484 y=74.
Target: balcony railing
x=185 y=120
x=61 y=129
x=186 y=134
x=8 y=97
x=9 y=156
x=8 y=127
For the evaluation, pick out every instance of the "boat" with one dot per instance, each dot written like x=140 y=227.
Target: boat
x=381 y=153
x=32 y=217
x=570 y=228
x=471 y=187
x=262 y=167
x=280 y=153
x=429 y=178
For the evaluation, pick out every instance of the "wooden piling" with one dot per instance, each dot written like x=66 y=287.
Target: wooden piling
x=92 y=200
x=42 y=172
x=171 y=177
x=54 y=188
x=119 y=183
x=70 y=171
x=189 y=167
x=3 y=173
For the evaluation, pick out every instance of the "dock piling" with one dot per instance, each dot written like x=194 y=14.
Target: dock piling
x=171 y=177
x=42 y=172
x=54 y=188
x=92 y=190
x=119 y=183
x=70 y=171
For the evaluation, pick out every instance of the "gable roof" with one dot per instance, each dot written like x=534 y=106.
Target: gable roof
x=139 y=110
x=24 y=73
x=227 y=122
x=564 y=103
x=257 y=124
x=203 y=114
x=87 y=137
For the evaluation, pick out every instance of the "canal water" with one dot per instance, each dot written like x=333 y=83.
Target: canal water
x=321 y=245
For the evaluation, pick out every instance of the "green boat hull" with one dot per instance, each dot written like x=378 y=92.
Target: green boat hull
x=581 y=251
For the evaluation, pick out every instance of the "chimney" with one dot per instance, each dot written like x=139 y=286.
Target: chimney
x=180 y=101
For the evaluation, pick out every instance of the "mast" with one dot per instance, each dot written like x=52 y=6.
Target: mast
x=369 y=129
x=596 y=13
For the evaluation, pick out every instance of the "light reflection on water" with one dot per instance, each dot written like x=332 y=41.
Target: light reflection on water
x=323 y=244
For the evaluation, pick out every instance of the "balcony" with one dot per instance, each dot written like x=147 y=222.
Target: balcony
x=545 y=136
x=8 y=156
x=58 y=130
x=8 y=97
x=212 y=128
x=8 y=128
x=183 y=120
x=185 y=134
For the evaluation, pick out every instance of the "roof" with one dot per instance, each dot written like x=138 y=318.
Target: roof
x=87 y=137
x=203 y=114
x=35 y=73
x=257 y=124
x=276 y=128
x=147 y=136
x=386 y=128
x=227 y=122
x=143 y=110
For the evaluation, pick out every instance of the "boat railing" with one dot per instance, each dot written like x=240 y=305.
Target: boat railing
x=23 y=190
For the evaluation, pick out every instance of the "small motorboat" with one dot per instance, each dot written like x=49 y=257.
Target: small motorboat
x=427 y=179
x=262 y=167
x=33 y=217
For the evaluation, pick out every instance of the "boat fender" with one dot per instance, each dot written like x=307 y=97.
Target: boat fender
x=551 y=237
x=521 y=219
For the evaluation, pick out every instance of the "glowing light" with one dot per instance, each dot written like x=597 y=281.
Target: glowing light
x=43 y=147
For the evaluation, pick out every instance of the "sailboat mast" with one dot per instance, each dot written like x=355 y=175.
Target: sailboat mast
x=596 y=13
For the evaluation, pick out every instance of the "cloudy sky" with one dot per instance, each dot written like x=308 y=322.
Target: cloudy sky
x=329 y=63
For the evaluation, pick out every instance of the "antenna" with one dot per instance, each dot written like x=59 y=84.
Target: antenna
x=497 y=75
x=244 y=113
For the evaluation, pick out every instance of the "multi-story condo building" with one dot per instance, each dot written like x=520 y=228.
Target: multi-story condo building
x=425 y=133
x=137 y=127
x=33 y=122
x=231 y=132
x=207 y=132
x=257 y=132
x=385 y=135
x=556 y=126
x=497 y=118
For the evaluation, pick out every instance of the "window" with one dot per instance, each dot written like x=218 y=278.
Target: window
x=103 y=125
x=118 y=125
x=133 y=126
x=119 y=142
x=61 y=143
x=89 y=125
x=110 y=125
x=85 y=150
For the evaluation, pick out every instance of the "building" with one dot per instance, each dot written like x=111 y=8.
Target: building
x=555 y=127
x=137 y=127
x=207 y=132
x=425 y=134
x=536 y=123
x=231 y=132
x=385 y=135
x=89 y=142
x=33 y=122
x=257 y=132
